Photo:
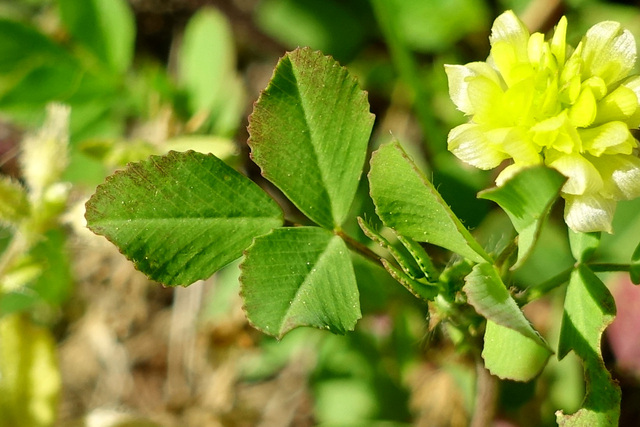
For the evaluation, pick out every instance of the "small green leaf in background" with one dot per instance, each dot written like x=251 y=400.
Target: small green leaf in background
x=435 y=25
x=14 y=206
x=207 y=70
x=407 y=202
x=309 y=132
x=33 y=70
x=105 y=27
x=588 y=309
x=29 y=376
x=335 y=27
x=488 y=295
x=182 y=216
x=511 y=355
x=299 y=276
x=41 y=279
x=22 y=47
x=527 y=204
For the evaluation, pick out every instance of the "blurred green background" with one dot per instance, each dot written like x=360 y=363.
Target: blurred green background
x=147 y=76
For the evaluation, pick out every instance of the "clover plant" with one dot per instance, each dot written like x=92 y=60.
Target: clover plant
x=558 y=117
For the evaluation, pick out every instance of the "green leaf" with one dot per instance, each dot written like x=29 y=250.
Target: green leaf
x=309 y=132
x=435 y=25
x=419 y=290
x=29 y=376
x=33 y=69
x=14 y=206
x=42 y=277
x=407 y=202
x=415 y=265
x=583 y=245
x=106 y=27
x=488 y=295
x=588 y=309
x=404 y=260
x=527 y=199
x=182 y=216
x=207 y=67
x=421 y=257
x=510 y=355
x=22 y=46
x=299 y=276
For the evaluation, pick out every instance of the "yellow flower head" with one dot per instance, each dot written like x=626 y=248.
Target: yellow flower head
x=536 y=101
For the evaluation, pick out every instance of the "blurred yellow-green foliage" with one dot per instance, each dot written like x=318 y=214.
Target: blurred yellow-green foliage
x=85 y=340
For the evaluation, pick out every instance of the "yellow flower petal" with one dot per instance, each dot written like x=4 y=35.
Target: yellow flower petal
x=457 y=75
x=620 y=104
x=557 y=132
x=583 y=112
x=582 y=175
x=591 y=213
x=597 y=85
x=536 y=48
x=558 y=42
x=621 y=175
x=486 y=100
x=609 y=52
x=470 y=144
x=516 y=143
x=570 y=78
x=633 y=83
x=609 y=138
x=509 y=45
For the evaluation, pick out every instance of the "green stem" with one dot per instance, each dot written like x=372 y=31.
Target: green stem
x=537 y=291
x=608 y=267
x=360 y=248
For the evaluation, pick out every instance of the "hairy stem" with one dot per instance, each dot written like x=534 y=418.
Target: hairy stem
x=486 y=396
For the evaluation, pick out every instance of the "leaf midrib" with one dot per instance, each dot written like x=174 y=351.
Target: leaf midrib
x=312 y=272
x=312 y=138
